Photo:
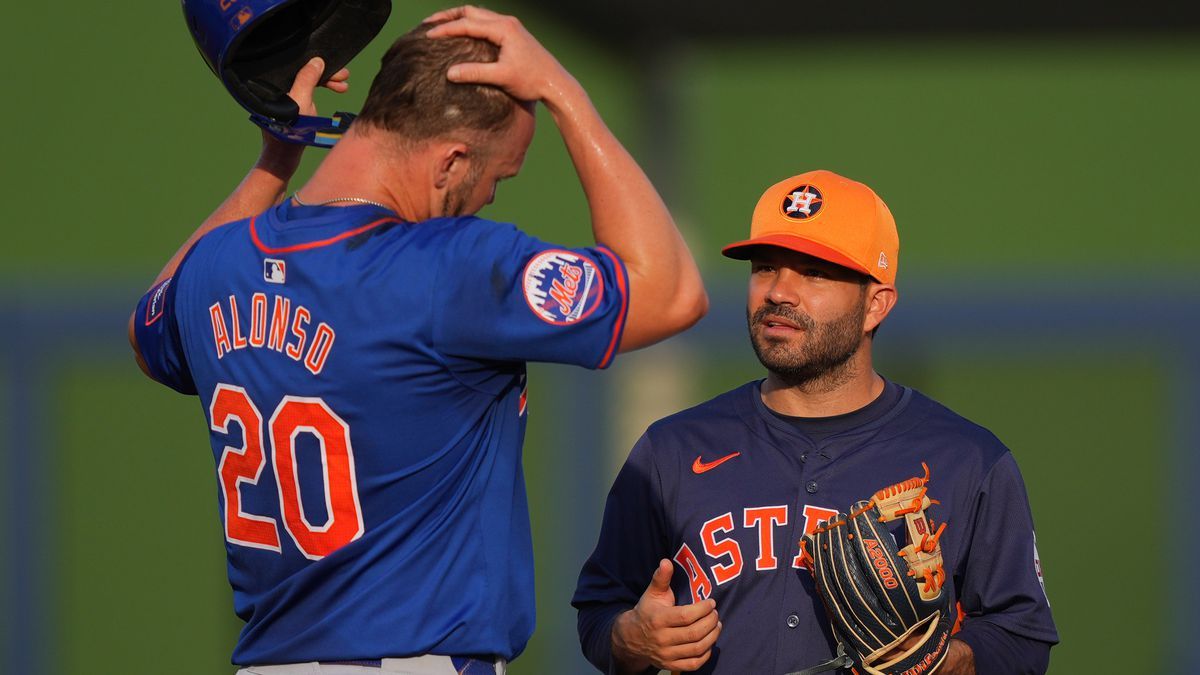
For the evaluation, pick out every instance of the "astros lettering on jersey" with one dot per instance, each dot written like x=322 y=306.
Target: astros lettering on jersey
x=727 y=489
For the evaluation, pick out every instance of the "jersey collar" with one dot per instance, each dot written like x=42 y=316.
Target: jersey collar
x=288 y=228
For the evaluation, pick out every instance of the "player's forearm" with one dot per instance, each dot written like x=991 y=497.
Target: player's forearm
x=959 y=660
x=629 y=217
x=263 y=187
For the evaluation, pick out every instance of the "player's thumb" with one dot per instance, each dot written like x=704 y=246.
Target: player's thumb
x=660 y=583
x=307 y=80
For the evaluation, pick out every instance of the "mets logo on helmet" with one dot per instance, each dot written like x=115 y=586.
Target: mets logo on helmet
x=802 y=202
x=562 y=287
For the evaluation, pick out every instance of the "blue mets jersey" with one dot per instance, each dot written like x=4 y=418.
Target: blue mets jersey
x=727 y=489
x=363 y=381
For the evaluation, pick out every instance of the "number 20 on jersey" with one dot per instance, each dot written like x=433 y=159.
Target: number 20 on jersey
x=243 y=466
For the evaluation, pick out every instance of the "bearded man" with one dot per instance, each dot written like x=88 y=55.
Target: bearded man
x=699 y=566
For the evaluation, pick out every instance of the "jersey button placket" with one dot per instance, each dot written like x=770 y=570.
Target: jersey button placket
x=793 y=621
x=811 y=487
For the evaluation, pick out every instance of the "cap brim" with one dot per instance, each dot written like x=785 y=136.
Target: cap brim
x=743 y=250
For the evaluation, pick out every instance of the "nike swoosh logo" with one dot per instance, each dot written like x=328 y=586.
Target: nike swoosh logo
x=699 y=467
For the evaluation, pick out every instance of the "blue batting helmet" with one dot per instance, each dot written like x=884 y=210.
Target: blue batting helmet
x=256 y=47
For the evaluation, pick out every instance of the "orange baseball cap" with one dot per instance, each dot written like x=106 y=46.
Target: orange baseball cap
x=829 y=217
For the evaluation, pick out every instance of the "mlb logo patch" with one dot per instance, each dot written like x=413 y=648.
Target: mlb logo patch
x=562 y=287
x=274 y=271
x=240 y=19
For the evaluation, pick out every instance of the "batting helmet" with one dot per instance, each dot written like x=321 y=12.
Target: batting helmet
x=256 y=47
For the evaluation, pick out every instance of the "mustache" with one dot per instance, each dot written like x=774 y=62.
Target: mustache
x=793 y=315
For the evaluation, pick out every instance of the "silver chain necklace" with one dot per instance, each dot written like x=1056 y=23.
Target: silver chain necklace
x=356 y=200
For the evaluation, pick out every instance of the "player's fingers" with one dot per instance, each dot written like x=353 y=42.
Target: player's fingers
x=694 y=633
x=484 y=29
x=687 y=664
x=339 y=82
x=458 y=13
x=711 y=638
x=687 y=615
x=446 y=14
x=702 y=627
x=476 y=73
x=690 y=648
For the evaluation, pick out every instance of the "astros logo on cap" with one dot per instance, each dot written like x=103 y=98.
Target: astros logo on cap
x=802 y=203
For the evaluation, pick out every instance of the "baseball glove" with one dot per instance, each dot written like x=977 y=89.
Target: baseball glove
x=890 y=607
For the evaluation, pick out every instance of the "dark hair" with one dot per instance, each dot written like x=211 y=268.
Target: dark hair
x=412 y=98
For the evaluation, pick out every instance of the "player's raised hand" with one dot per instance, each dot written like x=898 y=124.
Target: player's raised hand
x=524 y=69
x=309 y=78
x=278 y=157
x=658 y=633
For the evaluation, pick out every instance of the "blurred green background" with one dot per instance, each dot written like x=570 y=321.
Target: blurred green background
x=1043 y=170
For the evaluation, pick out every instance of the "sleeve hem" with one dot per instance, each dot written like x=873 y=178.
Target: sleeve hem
x=998 y=650
x=596 y=637
x=614 y=345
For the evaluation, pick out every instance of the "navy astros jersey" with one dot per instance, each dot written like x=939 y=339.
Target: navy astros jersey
x=727 y=489
x=363 y=381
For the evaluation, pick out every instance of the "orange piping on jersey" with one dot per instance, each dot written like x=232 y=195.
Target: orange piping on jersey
x=313 y=244
x=620 y=325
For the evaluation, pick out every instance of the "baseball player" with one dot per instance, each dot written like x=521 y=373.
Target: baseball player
x=699 y=566
x=359 y=352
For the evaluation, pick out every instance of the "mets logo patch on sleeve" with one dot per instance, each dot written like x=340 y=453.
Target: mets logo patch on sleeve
x=154 y=308
x=562 y=287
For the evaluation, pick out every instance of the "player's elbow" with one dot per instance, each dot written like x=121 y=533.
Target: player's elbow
x=683 y=295
x=657 y=313
x=677 y=306
x=689 y=306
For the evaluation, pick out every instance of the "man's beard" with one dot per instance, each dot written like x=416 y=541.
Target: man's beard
x=455 y=200
x=824 y=355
